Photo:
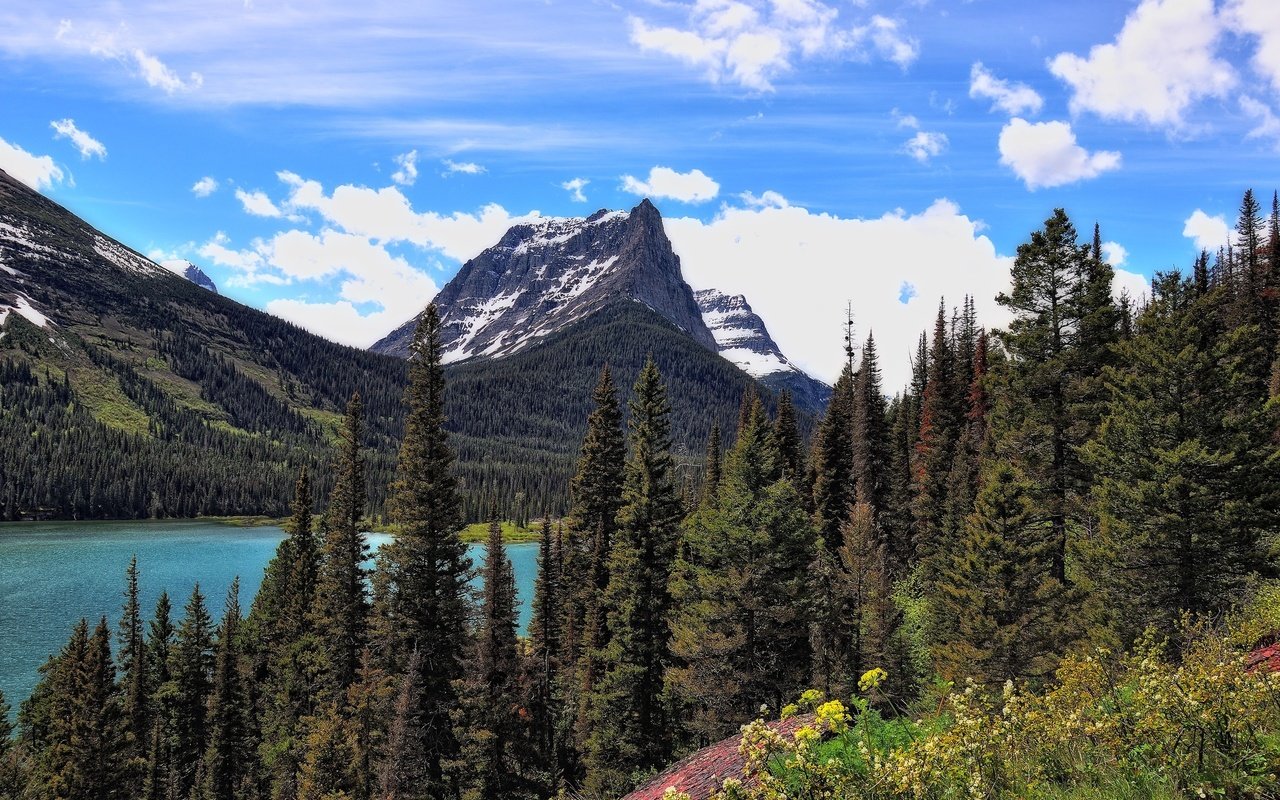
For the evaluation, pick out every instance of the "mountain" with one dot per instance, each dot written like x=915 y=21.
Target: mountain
x=545 y=275
x=192 y=273
x=128 y=391
x=742 y=338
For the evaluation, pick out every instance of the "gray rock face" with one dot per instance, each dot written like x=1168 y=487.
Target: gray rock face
x=197 y=276
x=742 y=338
x=543 y=276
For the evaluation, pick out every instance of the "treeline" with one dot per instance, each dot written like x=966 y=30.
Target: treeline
x=1092 y=474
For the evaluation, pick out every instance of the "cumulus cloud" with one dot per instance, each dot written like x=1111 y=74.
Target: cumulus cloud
x=1208 y=232
x=925 y=145
x=751 y=42
x=1163 y=60
x=1259 y=19
x=38 y=172
x=407 y=172
x=1114 y=253
x=1013 y=99
x=463 y=167
x=1045 y=154
x=1267 y=124
x=574 y=187
x=386 y=215
x=82 y=141
x=204 y=187
x=936 y=252
x=693 y=186
x=258 y=204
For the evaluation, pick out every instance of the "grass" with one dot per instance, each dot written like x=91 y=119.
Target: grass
x=103 y=397
x=478 y=532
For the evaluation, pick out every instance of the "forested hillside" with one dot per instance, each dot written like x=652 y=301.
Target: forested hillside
x=1038 y=571
x=135 y=393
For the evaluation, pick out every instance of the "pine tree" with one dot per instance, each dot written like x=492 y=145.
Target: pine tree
x=630 y=730
x=1038 y=432
x=136 y=675
x=1186 y=469
x=596 y=494
x=159 y=773
x=739 y=595
x=543 y=660
x=872 y=452
x=341 y=597
x=13 y=776
x=1003 y=610
x=227 y=754
x=191 y=667
x=786 y=440
x=491 y=708
x=833 y=484
x=403 y=766
x=940 y=424
x=712 y=465
x=427 y=565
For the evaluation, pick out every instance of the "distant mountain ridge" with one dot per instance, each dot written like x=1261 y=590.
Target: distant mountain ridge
x=545 y=276
x=192 y=273
x=742 y=338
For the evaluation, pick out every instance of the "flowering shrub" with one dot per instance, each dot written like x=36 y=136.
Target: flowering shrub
x=1138 y=725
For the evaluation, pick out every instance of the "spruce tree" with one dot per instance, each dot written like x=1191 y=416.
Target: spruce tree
x=427 y=565
x=833 y=484
x=341 y=594
x=596 y=496
x=872 y=451
x=191 y=668
x=786 y=440
x=1002 y=608
x=136 y=674
x=739 y=594
x=544 y=654
x=940 y=423
x=227 y=754
x=630 y=730
x=492 y=726
x=1186 y=468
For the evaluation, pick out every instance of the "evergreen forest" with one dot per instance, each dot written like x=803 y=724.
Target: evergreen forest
x=1035 y=571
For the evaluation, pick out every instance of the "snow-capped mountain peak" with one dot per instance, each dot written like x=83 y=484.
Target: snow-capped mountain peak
x=544 y=275
x=191 y=272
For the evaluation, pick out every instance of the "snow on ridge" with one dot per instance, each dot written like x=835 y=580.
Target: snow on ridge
x=25 y=310
x=476 y=321
x=124 y=258
x=552 y=231
x=757 y=365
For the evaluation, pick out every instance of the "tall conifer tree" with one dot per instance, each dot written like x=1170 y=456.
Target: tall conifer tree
x=427 y=565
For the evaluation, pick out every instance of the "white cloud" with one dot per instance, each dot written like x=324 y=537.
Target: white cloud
x=86 y=144
x=407 y=173
x=891 y=43
x=1208 y=232
x=936 y=252
x=1045 y=154
x=158 y=75
x=1013 y=99
x=1261 y=19
x=767 y=199
x=464 y=167
x=258 y=204
x=204 y=187
x=38 y=172
x=369 y=275
x=574 y=187
x=1115 y=253
x=1268 y=124
x=905 y=120
x=385 y=215
x=1163 y=60
x=752 y=42
x=925 y=145
x=693 y=186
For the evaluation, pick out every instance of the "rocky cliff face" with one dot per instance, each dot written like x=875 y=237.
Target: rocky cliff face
x=742 y=338
x=543 y=276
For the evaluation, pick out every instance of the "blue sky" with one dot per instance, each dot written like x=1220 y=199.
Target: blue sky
x=806 y=153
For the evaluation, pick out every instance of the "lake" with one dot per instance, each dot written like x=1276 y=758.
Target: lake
x=54 y=573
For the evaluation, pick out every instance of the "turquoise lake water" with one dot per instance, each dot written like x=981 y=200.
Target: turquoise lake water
x=54 y=573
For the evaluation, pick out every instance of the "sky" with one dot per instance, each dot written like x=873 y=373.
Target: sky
x=334 y=163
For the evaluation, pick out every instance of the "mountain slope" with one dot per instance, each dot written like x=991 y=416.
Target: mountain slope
x=543 y=276
x=742 y=338
x=131 y=391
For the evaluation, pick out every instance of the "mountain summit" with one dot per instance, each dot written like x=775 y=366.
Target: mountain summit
x=547 y=274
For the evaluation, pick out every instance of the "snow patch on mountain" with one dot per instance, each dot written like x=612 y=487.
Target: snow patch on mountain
x=740 y=334
x=24 y=308
x=124 y=258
